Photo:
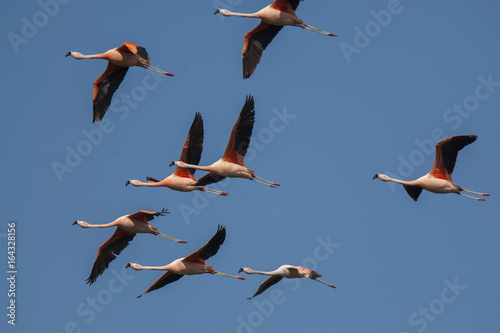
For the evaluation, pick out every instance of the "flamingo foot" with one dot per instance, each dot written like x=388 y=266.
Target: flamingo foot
x=481 y=199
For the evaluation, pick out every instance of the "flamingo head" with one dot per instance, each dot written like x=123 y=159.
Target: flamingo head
x=82 y=224
x=381 y=176
x=76 y=55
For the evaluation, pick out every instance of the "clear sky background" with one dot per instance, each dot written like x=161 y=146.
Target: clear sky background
x=330 y=113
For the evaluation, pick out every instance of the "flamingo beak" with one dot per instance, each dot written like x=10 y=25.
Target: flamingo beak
x=68 y=54
x=241 y=270
x=376 y=176
x=128 y=182
x=128 y=265
x=76 y=222
x=217 y=11
x=173 y=162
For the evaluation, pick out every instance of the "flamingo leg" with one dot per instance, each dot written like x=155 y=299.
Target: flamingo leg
x=212 y=191
x=231 y=276
x=268 y=182
x=328 y=284
x=469 y=196
x=311 y=28
x=157 y=70
x=483 y=194
x=169 y=238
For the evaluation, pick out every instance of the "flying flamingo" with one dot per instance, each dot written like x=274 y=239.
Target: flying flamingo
x=284 y=271
x=126 y=228
x=438 y=180
x=119 y=60
x=183 y=179
x=190 y=265
x=231 y=164
x=273 y=18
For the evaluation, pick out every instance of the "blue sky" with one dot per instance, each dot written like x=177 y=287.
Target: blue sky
x=330 y=113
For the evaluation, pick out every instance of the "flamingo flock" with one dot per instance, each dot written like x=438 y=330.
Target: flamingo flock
x=231 y=165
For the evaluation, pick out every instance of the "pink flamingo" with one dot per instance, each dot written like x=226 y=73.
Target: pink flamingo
x=183 y=179
x=284 y=271
x=190 y=265
x=119 y=60
x=438 y=180
x=273 y=18
x=127 y=227
x=231 y=164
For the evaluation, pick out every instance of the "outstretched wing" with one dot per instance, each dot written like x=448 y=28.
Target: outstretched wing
x=286 y=5
x=241 y=133
x=104 y=88
x=165 y=279
x=209 y=178
x=193 y=147
x=254 y=43
x=413 y=191
x=210 y=248
x=270 y=281
x=108 y=251
x=146 y=215
x=446 y=155
x=135 y=49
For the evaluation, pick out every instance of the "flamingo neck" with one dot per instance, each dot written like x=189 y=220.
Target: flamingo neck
x=398 y=181
x=251 y=271
x=153 y=268
x=107 y=225
x=193 y=166
x=251 y=15
x=153 y=184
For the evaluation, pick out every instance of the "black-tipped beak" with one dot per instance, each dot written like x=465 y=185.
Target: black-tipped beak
x=128 y=265
x=76 y=222
x=217 y=11
x=67 y=54
x=376 y=176
x=173 y=162
x=241 y=270
x=128 y=182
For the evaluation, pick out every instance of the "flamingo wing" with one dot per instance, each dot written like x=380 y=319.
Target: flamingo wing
x=210 y=248
x=135 y=49
x=193 y=147
x=241 y=133
x=165 y=279
x=446 y=155
x=270 y=281
x=286 y=5
x=146 y=215
x=209 y=178
x=108 y=251
x=104 y=88
x=413 y=191
x=254 y=43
